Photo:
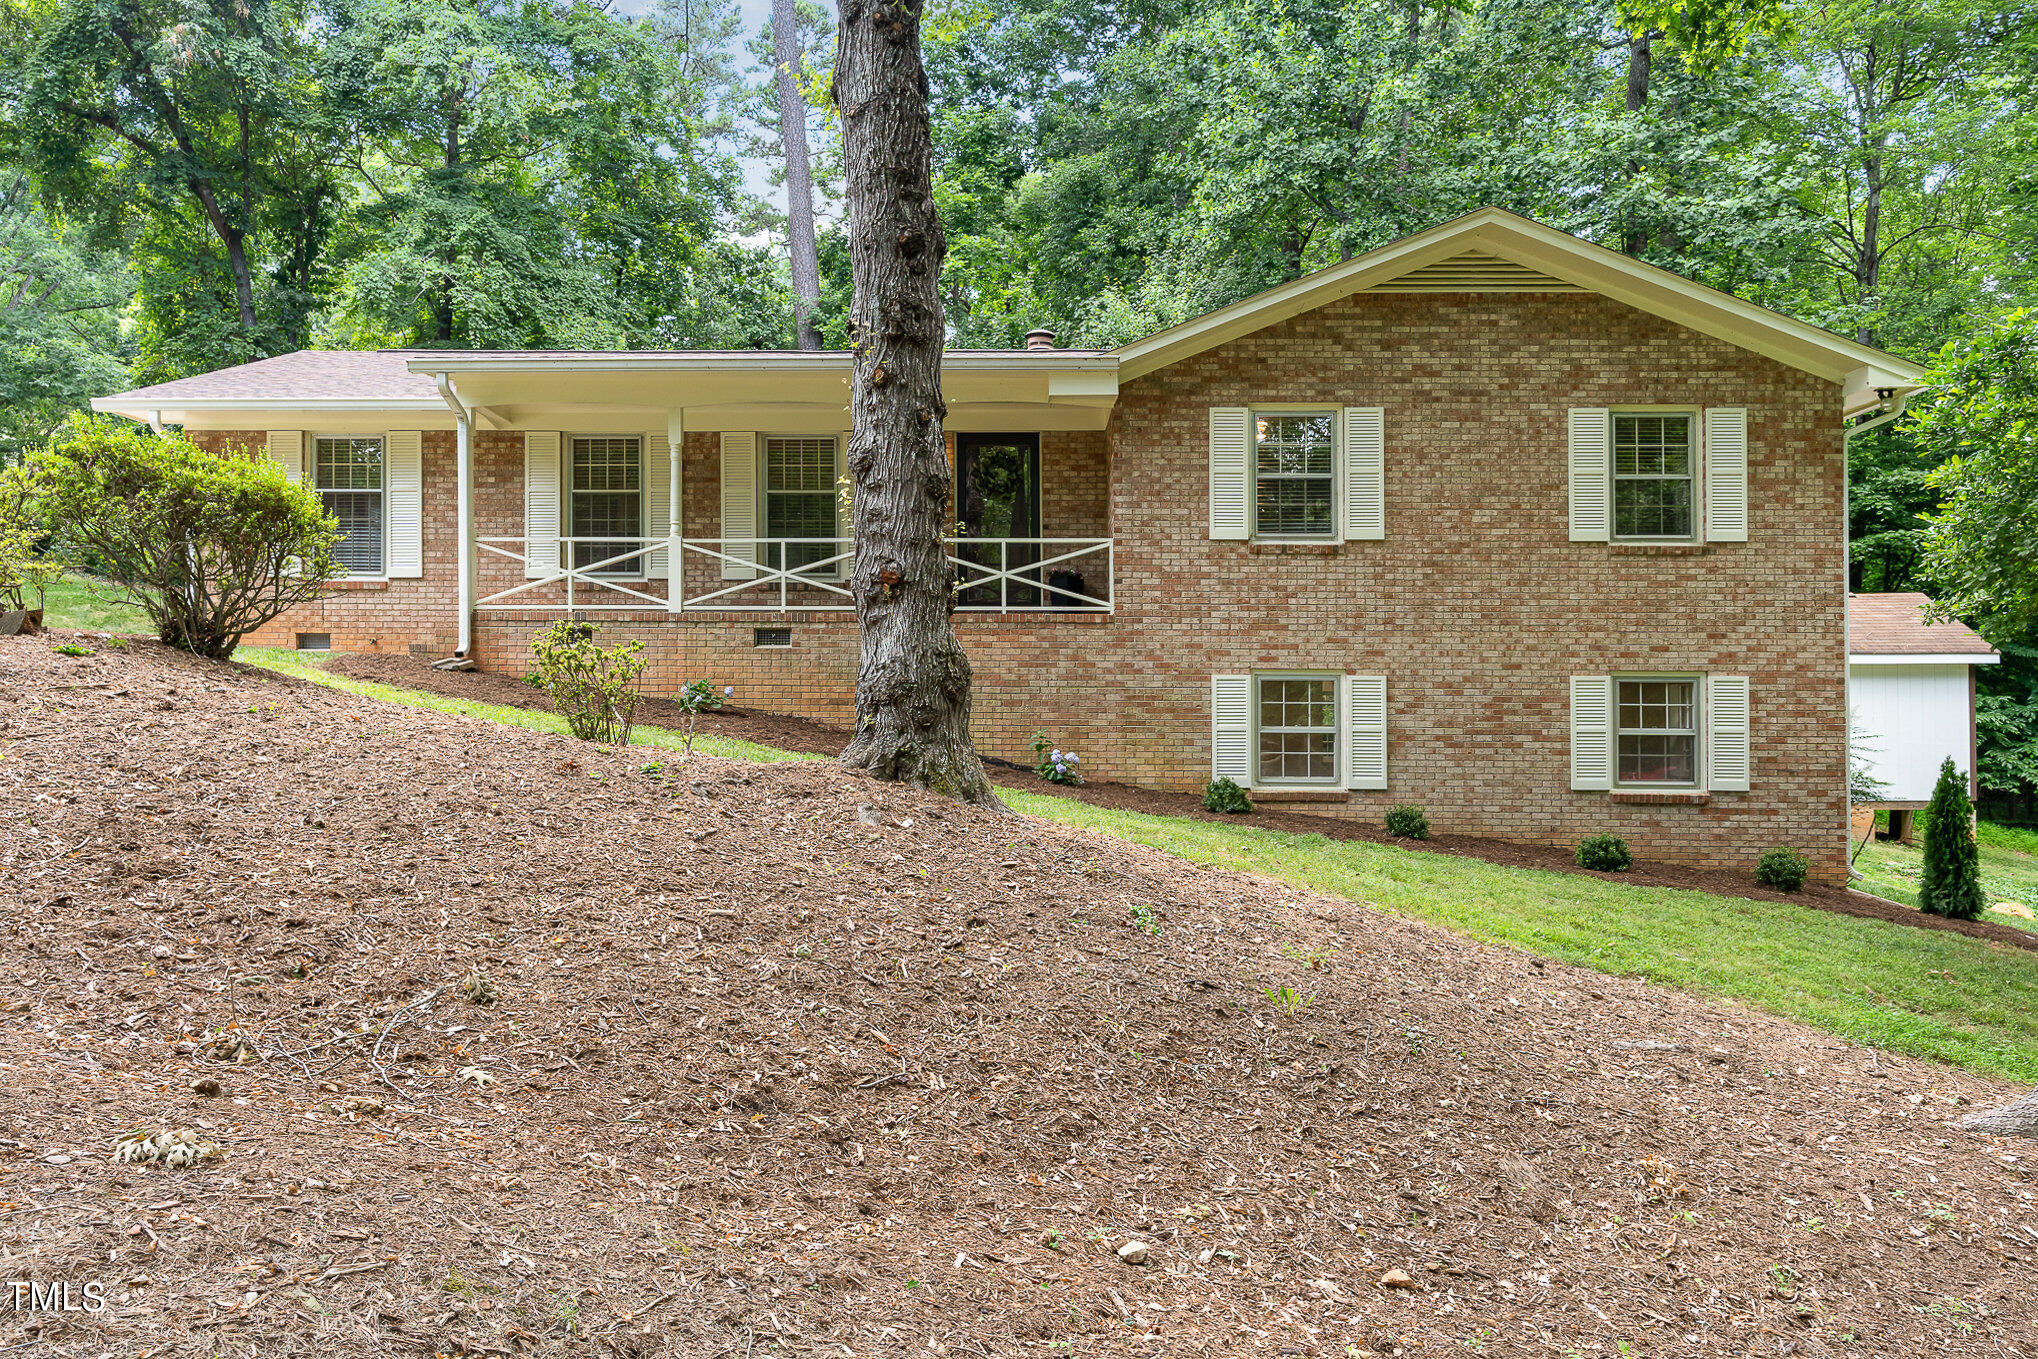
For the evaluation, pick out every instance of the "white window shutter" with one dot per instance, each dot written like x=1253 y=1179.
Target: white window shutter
x=1365 y=473
x=1726 y=474
x=1230 y=471
x=1365 y=731
x=1591 y=432
x=404 y=471
x=1231 y=728
x=739 y=504
x=1726 y=733
x=1591 y=731
x=286 y=446
x=541 y=504
x=657 y=485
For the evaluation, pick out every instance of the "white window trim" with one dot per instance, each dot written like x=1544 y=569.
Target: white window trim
x=840 y=569
x=1697 y=437
x=1699 y=722
x=1336 y=781
x=640 y=565
x=310 y=478
x=1252 y=476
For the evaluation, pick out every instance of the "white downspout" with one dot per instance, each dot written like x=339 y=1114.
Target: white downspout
x=463 y=422
x=1846 y=590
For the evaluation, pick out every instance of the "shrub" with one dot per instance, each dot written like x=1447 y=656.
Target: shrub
x=1056 y=765
x=1783 y=869
x=1950 y=884
x=209 y=545
x=1407 y=822
x=1223 y=795
x=696 y=697
x=26 y=570
x=1605 y=854
x=594 y=688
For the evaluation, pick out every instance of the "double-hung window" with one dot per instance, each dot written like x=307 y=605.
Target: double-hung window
x=1295 y=474
x=605 y=503
x=347 y=473
x=1297 y=728
x=1654 y=488
x=1657 y=731
x=799 y=502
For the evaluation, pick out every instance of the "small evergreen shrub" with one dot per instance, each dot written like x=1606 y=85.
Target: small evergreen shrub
x=1950 y=884
x=1407 y=822
x=594 y=688
x=1605 y=854
x=1223 y=795
x=1056 y=765
x=1783 y=869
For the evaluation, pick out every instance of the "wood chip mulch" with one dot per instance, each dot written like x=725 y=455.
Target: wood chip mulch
x=783 y=1061
x=816 y=738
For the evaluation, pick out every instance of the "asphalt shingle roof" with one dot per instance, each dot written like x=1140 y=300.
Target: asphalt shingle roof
x=1894 y=625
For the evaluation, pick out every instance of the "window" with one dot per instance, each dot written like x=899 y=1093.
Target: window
x=799 y=500
x=1652 y=475
x=348 y=475
x=606 y=503
x=1294 y=474
x=1297 y=729
x=1658 y=735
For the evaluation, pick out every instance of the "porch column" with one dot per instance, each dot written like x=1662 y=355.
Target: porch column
x=463 y=516
x=675 y=558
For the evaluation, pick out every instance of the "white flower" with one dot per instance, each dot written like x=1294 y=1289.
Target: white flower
x=728 y=691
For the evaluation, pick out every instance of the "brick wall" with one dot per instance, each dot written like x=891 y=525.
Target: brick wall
x=1476 y=606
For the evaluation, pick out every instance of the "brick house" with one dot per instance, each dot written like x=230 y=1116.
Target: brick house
x=1490 y=519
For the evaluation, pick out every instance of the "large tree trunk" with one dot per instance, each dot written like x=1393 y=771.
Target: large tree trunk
x=912 y=694
x=2019 y=1118
x=1641 y=61
x=799 y=173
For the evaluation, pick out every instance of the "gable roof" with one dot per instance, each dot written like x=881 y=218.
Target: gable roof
x=1893 y=625
x=308 y=377
x=1493 y=250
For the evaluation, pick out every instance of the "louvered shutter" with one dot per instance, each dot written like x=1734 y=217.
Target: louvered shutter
x=1366 y=731
x=286 y=446
x=1726 y=474
x=1590 y=434
x=1230 y=471
x=541 y=504
x=657 y=503
x=1365 y=473
x=1726 y=735
x=1591 y=731
x=1231 y=728
x=404 y=492
x=739 y=505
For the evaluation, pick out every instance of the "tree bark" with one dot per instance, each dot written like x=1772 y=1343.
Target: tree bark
x=913 y=690
x=2017 y=1119
x=1641 y=61
x=799 y=173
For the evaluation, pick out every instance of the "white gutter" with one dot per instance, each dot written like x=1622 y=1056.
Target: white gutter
x=1017 y=360
x=1903 y=399
x=463 y=514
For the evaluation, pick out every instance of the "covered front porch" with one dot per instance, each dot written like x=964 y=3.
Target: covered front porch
x=714 y=484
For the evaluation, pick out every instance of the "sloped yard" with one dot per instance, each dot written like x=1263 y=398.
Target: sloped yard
x=782 y=1060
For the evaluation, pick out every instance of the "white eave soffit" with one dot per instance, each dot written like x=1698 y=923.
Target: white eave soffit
x=1492 y=250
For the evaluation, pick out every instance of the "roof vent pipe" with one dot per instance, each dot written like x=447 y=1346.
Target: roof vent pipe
x=1040 y=339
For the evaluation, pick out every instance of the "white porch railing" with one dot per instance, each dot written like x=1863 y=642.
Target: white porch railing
x=789 y=575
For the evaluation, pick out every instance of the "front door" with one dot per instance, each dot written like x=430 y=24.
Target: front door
x=997 y=497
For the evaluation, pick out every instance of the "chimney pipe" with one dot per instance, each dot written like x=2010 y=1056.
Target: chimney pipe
x=1040 y=339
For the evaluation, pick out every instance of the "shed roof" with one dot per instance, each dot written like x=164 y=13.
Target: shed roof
x=1894 y=625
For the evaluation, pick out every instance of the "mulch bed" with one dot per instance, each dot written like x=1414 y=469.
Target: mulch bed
x=784 y=1060
x=816 y=738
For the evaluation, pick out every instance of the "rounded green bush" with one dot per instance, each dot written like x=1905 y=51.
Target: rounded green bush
x=1783 y=869
x=1407 y=822
x=1223 y=795
x=1605 y=854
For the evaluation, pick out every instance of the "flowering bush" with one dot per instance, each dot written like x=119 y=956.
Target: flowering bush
x=1056 y=765
x=594 y=688
x=694 y=698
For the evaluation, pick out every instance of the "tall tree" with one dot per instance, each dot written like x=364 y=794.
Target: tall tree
x=788 y=64
x=60 y=304
x=913 y=688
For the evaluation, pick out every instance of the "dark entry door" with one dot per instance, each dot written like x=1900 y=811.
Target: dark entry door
x=997 y=495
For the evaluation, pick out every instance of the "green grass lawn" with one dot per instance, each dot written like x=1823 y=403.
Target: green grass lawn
x=77 y=601
x=1928 y=993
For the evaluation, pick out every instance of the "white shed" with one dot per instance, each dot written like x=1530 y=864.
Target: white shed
x=1910 y=694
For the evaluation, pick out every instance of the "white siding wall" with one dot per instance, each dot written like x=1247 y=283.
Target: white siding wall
x=1910 y=717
